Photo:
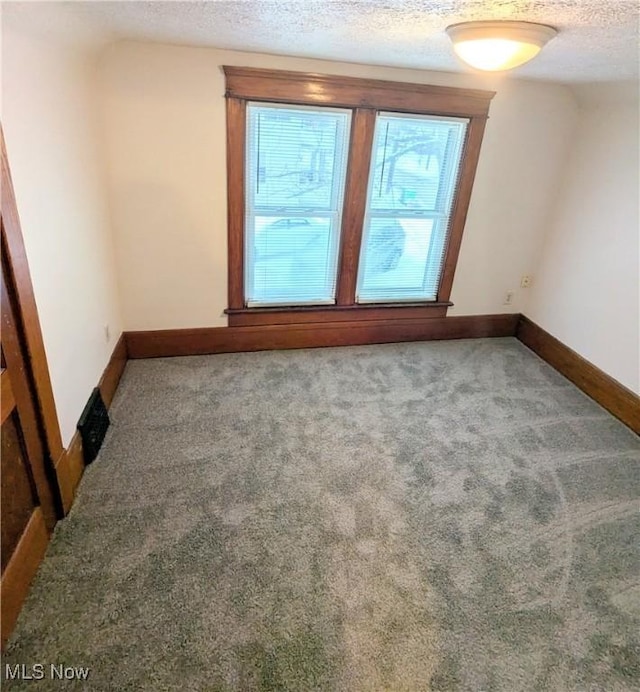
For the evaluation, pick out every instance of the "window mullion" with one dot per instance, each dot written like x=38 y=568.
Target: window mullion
x=355 y=202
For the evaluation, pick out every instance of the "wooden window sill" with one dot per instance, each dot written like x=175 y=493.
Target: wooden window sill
x=251 y=317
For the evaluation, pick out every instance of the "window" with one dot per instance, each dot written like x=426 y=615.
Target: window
x=411 y=185
x=295 y=173
x=347 y=197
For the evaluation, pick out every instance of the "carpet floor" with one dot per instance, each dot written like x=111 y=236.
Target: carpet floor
x=426 y=516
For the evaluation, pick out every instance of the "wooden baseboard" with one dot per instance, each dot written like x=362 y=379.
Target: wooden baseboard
x=610 y=394
x=69 y=470
x=189 y=342
x=113 y=372
x=70 y=466
x=20 y=571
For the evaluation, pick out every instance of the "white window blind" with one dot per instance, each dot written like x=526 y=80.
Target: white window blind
x=414 y=171
x=295 y=173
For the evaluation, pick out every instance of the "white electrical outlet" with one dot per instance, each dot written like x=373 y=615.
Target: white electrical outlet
x=107 y=332
x=508 y=298
x=525 y=281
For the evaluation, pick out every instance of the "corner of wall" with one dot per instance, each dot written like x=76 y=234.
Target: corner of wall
x=54 y=149
x=586 y=293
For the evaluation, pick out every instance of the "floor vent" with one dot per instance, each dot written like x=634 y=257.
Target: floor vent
x=93 y=425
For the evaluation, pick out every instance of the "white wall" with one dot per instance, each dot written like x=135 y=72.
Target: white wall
x=587 y=285
x=50 y=121
x=165 y=125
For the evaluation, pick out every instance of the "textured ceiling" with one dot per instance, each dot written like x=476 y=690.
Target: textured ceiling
x=598 y=39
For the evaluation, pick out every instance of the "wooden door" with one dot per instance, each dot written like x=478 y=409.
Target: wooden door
x=29 y=499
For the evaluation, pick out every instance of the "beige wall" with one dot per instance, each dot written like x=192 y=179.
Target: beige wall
x=165 y=128
x=587 y=285
x=50 y=122
x=155 y=113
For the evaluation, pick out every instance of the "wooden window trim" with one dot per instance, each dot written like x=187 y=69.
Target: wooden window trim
x=248 y=317
x=283 y=86
x=236 y=137
x=365 y=97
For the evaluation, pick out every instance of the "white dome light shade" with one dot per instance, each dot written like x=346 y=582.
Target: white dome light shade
x=499 y=45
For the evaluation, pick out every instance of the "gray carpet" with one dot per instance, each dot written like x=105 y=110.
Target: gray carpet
x=429 y=516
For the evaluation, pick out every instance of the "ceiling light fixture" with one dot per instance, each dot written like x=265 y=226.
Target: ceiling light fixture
x=498 y=45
